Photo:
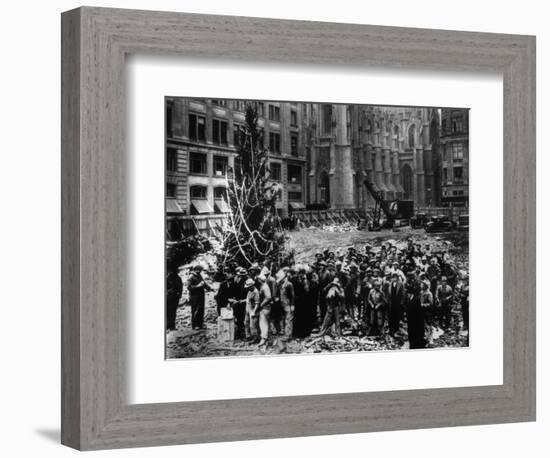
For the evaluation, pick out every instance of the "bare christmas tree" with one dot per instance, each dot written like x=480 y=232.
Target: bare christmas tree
x=253 y=228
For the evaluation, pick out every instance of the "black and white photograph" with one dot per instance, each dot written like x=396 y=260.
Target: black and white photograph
x=298 y=227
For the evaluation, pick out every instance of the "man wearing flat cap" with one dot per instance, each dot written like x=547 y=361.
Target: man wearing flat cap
x=252 y=310
x=197 y=286
x=334 y=298
x=239 y=302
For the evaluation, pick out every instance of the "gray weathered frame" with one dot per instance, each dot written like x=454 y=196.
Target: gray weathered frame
x=95 y=414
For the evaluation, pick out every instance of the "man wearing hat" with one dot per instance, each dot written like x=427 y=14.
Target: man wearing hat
x=396 y=296
x=352 y=289
x=264 y=309
x=444 y=297
x=325 y=277
x=226 y=291
x=174 y=287
x=252 y=310
x=318 y=260
x=377 y=308
x=197 y=286
x=334 y=295
x=366 y=286
x=239 y=302
x=287 y=302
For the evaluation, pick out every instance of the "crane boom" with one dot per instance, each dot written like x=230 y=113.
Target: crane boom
x=378 y=197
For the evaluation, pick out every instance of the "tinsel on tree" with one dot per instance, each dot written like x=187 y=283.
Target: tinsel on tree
x=253 y=231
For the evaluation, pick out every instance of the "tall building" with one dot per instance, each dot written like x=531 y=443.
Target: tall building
x=321 y=154
x=455 y=158
x=396 y=149
x=201 y=143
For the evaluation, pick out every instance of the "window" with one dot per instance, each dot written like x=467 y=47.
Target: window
x=197 y=164
x=396 y=139
x=239 y=105
x=220 y=193
x=219 y=132
x=294 y=143
x=172 y=159
x=444 y=126
x=458 y=152
x=219 y=102
x=197 y=131
x=220 y=166
x=294 y=174
x=237 y=168
x=261 y=132
x=274 y=113
x=458 y=124
x=295 y=195
x=275 y=169
x=411 y=136
x=458 y=173
x=171 y=190
x=274 y=142
x=197 y=192
x=237 y=135
x=169 y=118
x=293 y=118
x=327 y=119
x=445 y=174
x=260 y=108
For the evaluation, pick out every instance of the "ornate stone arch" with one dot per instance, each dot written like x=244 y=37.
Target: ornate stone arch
x=407 y=180
x=324 y=187
x=411 y=134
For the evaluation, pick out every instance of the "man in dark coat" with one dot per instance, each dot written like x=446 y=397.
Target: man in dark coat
x=334 y=299
x=396 y=292
x=326 y=275
x=301 y=312
x=415 y=313
x=444 y=296
x=226 y=291
x=352 y=290
x=377 y=303
x=239 y=302
x=197 y=288
x=174 y=288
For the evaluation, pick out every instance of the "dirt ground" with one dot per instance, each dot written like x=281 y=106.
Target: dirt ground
x=184 y=342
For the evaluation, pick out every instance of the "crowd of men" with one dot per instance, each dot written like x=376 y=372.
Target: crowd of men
x=378 y=290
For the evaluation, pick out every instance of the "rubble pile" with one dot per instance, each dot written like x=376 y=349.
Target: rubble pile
x=184 y=342
x=340 y=227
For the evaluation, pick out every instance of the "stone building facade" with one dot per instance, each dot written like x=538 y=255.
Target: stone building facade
x=455 y=157
x=201 y=144
x=320 y=153
x=397 y=149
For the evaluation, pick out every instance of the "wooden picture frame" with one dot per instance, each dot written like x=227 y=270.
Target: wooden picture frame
x=95 y=413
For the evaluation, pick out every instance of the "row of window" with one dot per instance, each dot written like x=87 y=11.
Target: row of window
x=197 y=163
x=454 y=125
x=198 y=166
x=200 y=192
x=458 y=173
x=411 y=132
x=197 y=192
x=454 y=193
x=454 y=151
x=274 y=111
x=197 y=133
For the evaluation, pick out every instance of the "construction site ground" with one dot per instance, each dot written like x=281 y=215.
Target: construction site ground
x=185 y=342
